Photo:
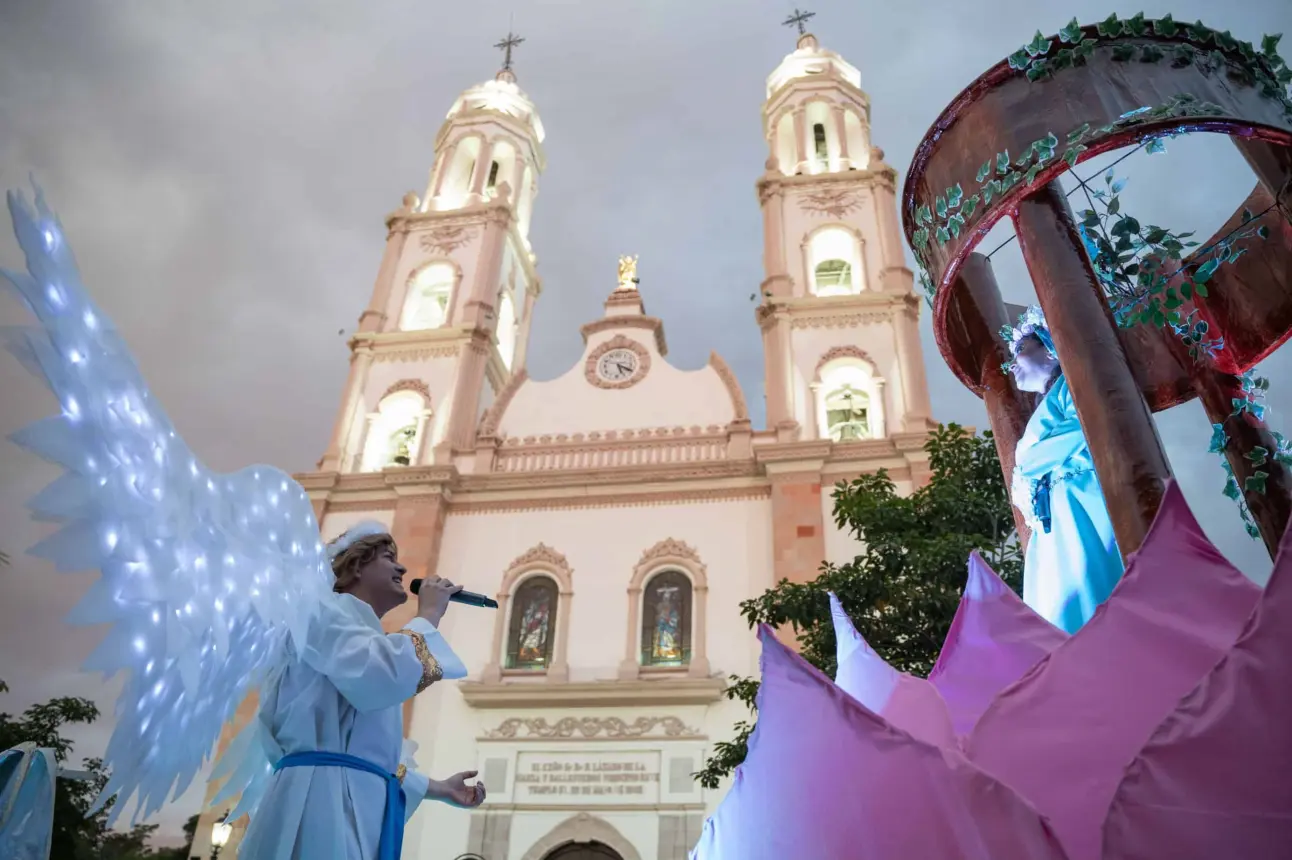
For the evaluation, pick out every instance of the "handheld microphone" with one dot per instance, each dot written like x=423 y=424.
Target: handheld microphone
x=470 y=598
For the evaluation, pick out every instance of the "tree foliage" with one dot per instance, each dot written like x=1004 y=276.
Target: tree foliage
x=77 y=835
x=902 y=592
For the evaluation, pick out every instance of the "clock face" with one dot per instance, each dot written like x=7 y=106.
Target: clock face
x=618 y=365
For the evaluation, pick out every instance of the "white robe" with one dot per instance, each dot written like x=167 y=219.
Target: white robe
x=344 y=694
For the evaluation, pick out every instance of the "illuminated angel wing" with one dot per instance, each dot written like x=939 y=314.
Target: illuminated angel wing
x=202 y=574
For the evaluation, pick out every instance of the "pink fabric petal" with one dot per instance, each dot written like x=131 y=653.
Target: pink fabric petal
x=909 y=703
x=1063 y=735
x=994 y=639
x=827 y=779
x=1215 y=780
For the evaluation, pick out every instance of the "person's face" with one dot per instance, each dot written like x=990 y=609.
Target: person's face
x=1033 y=365
x=381 y=581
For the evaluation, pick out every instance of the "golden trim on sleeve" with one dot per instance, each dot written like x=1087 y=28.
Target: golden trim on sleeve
x=400 y=773
x=431 y=671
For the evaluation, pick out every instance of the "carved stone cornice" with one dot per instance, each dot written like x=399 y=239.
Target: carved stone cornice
x=541 y=554
x=411 y=345
x=670 y=548
x=423 y=476
x=592 y=728
x=635 y=321
x=592 y=694
x=414 y=385
x=845 y=351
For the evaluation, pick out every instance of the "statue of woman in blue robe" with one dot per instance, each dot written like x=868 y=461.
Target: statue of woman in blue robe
x=1072 y=561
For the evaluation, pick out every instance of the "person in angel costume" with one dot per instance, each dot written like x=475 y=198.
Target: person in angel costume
x=1072 y=561
x=216 y=586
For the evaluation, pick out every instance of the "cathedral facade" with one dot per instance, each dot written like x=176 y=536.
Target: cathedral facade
x=623 y=510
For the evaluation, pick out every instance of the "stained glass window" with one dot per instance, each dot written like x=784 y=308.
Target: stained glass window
x=533 y=624
x=666 y=620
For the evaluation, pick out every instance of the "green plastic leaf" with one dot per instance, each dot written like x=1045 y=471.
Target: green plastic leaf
x=983 y=172
x=1038 y=71
x=940 y=206
x=1002 y=162
x=1154 y=234
x=1200 y=290
x=1150 y=54
x=943 y=235
x=1270 y=43
x=1089 y=218
x=1071 y=34
x=1255 y=483
x=1032 y=172
x=921 y=238
x=1166 y=26
x=954 y=196
x=956 y=224
x=924 y=215
x=1231 y=488
x=1247 y=215
x=1077 y=135
x=1114 y=206
x=1110 y=27
x=1072 y=154
x=1263 y=231
x=1063 y=59
x=1219 y=439
x=1197 y=32
x=970 y=206
x=1135 y=26
x=1155 y=146
x=1225 y=41
x=1182 y=54
x=1048 y=142
x=1039 y=45
x=1019 y=59
x=1123 y=53
x=1206 y=270
x=1258 y=455
x=1084 y=51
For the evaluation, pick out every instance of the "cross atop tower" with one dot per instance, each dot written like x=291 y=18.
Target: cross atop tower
x=798 y=19
x=505 y=46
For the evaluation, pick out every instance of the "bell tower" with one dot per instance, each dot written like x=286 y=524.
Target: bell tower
x=838 y=314
x=447 y=325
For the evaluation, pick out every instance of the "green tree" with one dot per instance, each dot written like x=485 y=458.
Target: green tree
x=78 y=835
x=902 y=592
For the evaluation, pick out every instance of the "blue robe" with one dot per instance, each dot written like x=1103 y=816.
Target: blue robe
x=1071 y=569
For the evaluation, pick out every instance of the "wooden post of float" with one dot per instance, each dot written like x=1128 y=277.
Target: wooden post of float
x=1124 y=444
x=977 y=314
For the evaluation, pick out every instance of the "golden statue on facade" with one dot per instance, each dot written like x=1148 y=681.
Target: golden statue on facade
x=628 y=273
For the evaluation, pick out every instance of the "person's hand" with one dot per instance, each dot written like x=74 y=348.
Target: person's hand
x=455 y=790
x=433 y=598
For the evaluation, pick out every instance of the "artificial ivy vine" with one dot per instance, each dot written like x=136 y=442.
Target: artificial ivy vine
x=1133 y=262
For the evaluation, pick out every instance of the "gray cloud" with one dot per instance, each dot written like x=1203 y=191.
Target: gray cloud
x=223 y=168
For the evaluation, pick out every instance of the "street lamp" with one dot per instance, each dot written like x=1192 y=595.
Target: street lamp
x=220 y=833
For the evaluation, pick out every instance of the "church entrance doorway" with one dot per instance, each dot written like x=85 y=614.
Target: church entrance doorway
x=584 y=851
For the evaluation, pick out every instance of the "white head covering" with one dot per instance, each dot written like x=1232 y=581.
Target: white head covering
x=358 y=531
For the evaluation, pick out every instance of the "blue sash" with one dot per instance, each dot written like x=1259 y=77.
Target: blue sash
x=392 y=821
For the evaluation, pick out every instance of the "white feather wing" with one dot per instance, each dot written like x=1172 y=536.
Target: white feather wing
x=202 y=574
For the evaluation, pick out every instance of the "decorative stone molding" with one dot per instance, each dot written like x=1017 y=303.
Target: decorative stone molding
x=609 y=500
x=582 y=828
x=834 y=202
x=489 y=424
x=587 y=728
x=637 y=321
x=446 y=239
x=415 y=385
x=841 y=320
x=733 y=386
x=540 y=560
x=617 y=342
x=668 y=554
x=658 y=692
x=837 y=352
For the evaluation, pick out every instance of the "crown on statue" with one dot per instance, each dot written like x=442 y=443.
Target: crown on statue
x=1030 y=322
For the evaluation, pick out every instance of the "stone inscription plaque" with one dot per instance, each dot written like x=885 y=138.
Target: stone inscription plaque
x=579 y=779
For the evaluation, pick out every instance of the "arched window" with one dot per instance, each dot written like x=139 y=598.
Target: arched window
x=847 y=414
x=429 y=294
x=506 y=327
x=849 y=400
x=834 y=256
x=786 y=151
x=395 y=431
x=460 y=167
x=666 y=620
x=533 y=624
x=818 y=142
x=492 y=181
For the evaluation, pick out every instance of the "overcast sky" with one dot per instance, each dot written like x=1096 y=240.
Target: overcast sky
x=222 y=168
